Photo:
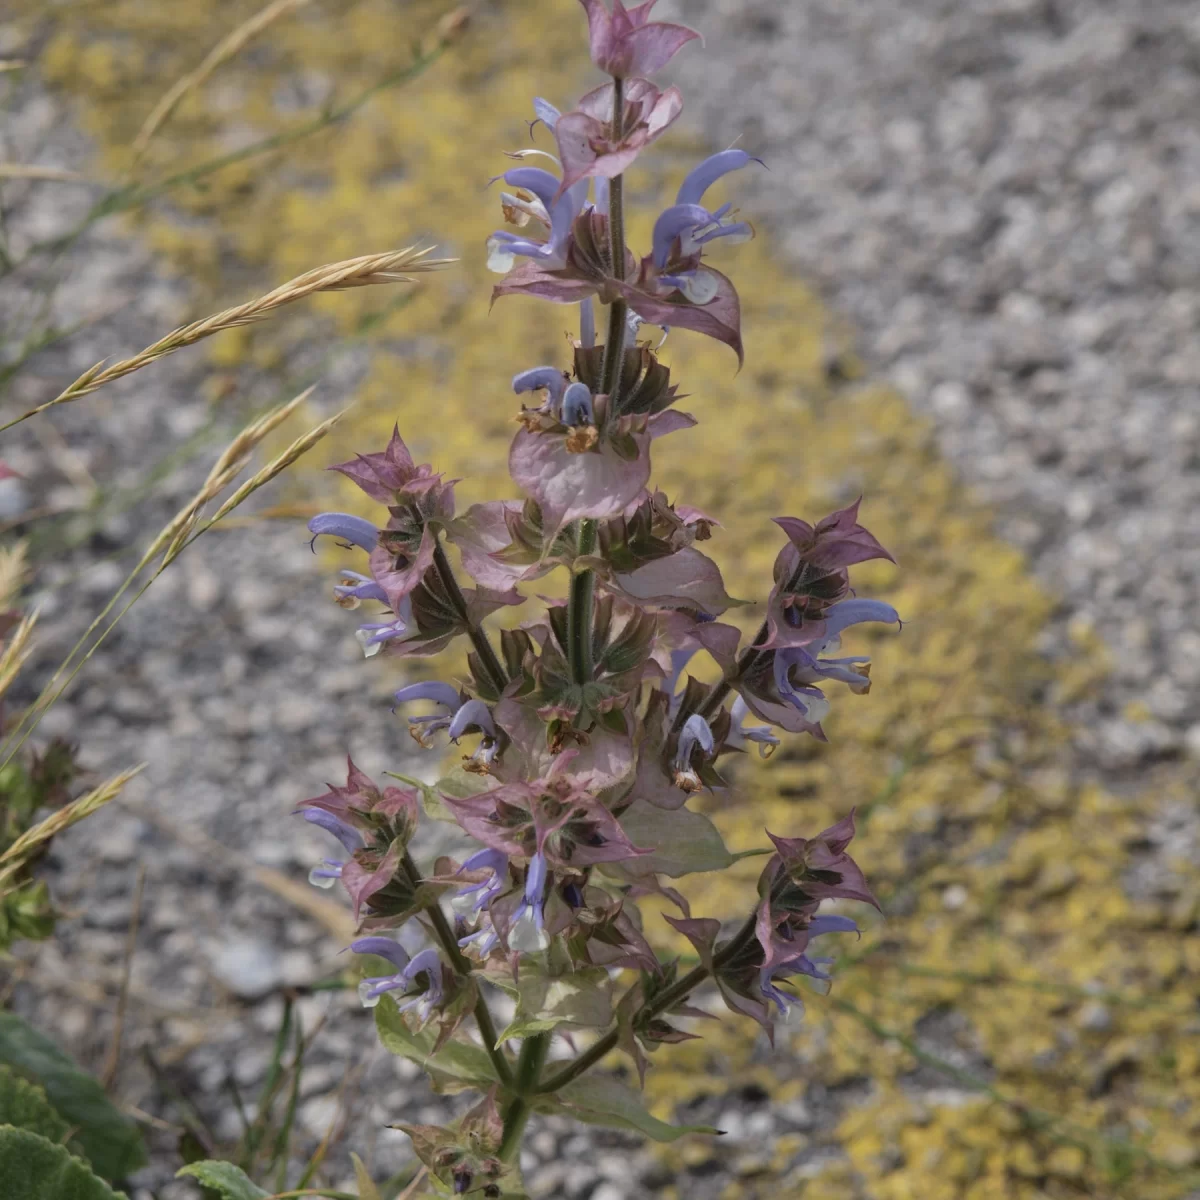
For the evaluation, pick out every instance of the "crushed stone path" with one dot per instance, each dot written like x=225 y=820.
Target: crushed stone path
x=1002 y=197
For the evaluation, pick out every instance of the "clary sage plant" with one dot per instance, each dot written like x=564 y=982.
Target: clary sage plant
x=586 y=738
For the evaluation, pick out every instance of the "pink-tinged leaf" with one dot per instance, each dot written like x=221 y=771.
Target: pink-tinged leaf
x=685 y=579
x=482 y=602
x=701 y=932
x=474 y=814
x=362 y=881
x=529 y=279
x=748 y=1006
x=399 y=582
x=585 y=145
x=838 y=540
x=480 y=532
x=653 y=46
x=782 y=634
x=596 y=484
x=671 y=421
x=383 y=474
x=720 y=318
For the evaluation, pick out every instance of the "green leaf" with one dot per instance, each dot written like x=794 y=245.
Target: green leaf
x=24 y=1105
x=684 y=841
x=434 y=806
x=544 y=1002
x=456 y=1067
x=228 y=1181
x=600 y=1100
x=111 y=1142
x=34 y=1168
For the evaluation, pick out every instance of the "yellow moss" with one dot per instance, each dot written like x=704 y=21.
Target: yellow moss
x=958 y=773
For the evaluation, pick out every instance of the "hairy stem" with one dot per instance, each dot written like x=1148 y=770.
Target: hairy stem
x=529 y=1070
x=459 y=961
x=579 y=613
x=673 y=995
x=479 y=639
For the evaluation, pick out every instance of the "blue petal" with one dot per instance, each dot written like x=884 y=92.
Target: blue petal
x=439 y=693
x=357 y=530
x=384 y=947
x=671 y=223
x=344 y=832
x=537 y=378
x=546 y=112
x=702 y=177
x=577 y=405
x=855 y=612
x=476 y=713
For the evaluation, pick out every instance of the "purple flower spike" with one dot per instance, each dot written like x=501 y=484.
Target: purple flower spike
x=427 y=963
x=577 y=405
x=549 y=379
x=357 y=530
x=472 y=715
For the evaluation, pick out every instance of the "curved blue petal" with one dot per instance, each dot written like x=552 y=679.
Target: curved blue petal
x=855 y=612
x=702 y=177
x=577 y=405
x=349 y=528
x=439 y=693
x=384 y=947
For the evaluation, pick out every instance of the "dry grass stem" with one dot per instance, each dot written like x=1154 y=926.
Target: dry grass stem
x=12 y=572
x=64 y=818
x=170 y=541
x=301 y=446
x=16 y=651
x=11 y=64
x=50 y=174
x=393 y=266
x=222 y=52
x=113 y=1063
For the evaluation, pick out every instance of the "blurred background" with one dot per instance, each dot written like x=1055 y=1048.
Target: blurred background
x=972 y=298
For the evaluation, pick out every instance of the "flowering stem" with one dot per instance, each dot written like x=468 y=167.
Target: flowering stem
x=529 y=1070
x=583 y=585
x=661 y=1003
x=479 y=639
x=459 y=961
x=745 y=661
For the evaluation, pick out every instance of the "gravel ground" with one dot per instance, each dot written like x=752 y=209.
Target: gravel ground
x=1003 y=199
x=997 y=202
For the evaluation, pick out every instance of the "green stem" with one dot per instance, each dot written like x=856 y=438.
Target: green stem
x=529 y=1070
x=678 y=991
x=579 y=611
x=479 y=639
x=461 y=964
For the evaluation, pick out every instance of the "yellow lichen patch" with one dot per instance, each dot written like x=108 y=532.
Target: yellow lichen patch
x=1016 y=1027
